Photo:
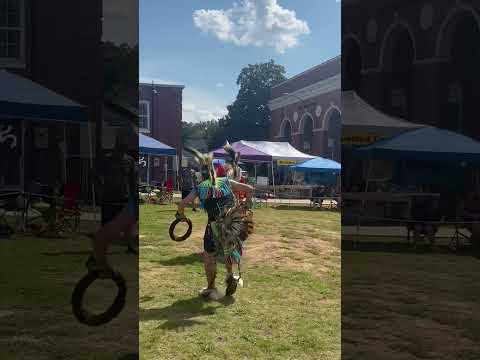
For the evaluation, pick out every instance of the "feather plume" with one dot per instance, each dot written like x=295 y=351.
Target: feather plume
x=205 y=161
x=232 y=160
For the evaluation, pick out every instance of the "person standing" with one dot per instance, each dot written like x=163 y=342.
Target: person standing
x=118 y=182
x=187 y=183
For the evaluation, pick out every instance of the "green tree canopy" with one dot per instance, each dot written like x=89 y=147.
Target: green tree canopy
x=249 y=116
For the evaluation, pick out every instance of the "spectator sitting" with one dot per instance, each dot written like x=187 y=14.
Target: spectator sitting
x=471 y=212
x=423 y=209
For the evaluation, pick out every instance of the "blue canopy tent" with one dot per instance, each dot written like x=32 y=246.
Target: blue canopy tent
x=319 y=170
x=428 y=144
x=151 y=147
x=23 y=100
x=318 y=165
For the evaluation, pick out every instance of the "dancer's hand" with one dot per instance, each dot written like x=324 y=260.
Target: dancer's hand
x=180 y=215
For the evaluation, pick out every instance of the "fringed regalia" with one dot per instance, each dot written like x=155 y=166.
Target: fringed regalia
x=230 y=221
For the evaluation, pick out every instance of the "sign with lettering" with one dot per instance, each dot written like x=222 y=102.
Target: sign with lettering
x=286 y=162
x=359 y=139
x=142 y=162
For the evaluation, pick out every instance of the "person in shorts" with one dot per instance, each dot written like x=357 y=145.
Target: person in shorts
x=215 y=194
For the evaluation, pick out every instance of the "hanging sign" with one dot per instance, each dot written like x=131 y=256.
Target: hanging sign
x=142 y=162
x=5 y=135
x=359 y=139
x=286 y=162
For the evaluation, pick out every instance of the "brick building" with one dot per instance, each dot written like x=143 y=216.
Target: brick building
x=59 y=47
x=417 y=60
x=306 y=111
x=161 y=118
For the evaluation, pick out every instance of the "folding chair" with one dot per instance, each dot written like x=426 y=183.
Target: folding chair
x=8 y=203
x=71 y=213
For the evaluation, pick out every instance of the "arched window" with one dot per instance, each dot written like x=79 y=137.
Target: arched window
x=287 y=132
x=334 y=133
x=398 y=56
x=351 y=66
x=462 y=74
x=307 y=133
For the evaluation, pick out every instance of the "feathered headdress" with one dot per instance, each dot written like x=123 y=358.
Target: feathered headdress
x=232 y=160
x=205 y=161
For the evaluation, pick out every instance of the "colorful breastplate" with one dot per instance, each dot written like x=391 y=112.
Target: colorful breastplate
x=206 y=190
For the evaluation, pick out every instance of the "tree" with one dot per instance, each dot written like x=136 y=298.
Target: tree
x=121 y=72
x=249 y=116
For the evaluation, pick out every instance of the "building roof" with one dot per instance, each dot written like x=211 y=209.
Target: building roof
x=327 y=68
x=157 y=85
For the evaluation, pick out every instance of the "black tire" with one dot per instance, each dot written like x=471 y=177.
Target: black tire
x=112 y=312
x=185 y=236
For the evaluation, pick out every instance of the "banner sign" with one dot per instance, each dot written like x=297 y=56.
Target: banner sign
x=360 y=139
x=286 y=162
x=6 y=135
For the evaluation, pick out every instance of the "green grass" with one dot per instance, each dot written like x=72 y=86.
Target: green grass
x=410 y=305
x=289 y=307
x=37 y=279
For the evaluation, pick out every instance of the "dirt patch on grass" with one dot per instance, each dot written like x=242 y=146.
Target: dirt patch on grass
x=308 y=254
x=391 y=326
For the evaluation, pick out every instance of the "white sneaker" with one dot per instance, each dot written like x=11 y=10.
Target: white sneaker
x=211 y=294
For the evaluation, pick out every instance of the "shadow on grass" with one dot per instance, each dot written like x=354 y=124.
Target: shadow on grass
x=132 y=356
x=180 y=260
x=302 y=208
x=403 y=248
x=182 y=313
x=60 y=253
x=146 y=298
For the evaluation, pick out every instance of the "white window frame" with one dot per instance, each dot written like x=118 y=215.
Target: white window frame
x=149 y=122
x=20 y=61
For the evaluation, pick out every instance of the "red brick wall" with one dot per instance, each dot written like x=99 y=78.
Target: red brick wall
x=432 y=72
x=166 y=118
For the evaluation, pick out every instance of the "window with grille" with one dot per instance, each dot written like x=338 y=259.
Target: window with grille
x=144 y=116
x=12 y=29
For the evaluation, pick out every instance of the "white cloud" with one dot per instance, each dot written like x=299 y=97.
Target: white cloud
x=219 y=85
x=200 y=105
x=261 y=23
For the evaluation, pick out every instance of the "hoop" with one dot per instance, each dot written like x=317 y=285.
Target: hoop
x=184 y=236
x=98 y=319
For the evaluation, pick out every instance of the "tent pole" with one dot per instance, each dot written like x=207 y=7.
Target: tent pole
x=148 y=169
x=91 y=163
x=22 y=162
x=64 y=152
x=165 y=167
x=273 y=181
x=177 y=172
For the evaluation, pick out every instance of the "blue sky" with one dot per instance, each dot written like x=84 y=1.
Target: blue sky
x=203 y=44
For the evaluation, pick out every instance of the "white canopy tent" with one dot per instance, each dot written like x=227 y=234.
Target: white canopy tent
x=267 y=151
x=362 y=124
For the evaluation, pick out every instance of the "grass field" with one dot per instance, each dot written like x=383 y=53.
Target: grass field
x=289 y=307
x=36 y=281
x=410 y=305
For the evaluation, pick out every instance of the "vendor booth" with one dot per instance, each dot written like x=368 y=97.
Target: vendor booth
x=34 y=135
x=363 y=125
x=275 y=154
x=319 y=171
x=427 y=158
x=150 y=148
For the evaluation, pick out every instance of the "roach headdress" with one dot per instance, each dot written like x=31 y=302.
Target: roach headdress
x=205 y=161
x=232 y=160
